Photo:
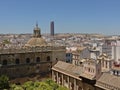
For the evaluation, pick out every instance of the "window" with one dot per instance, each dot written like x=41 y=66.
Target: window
x=48 y=58
x=17 y=61
x=106 y=64
x=88 y=69
x=28 y=60
x=38 y=59
x=56 y=59
x=103 y=63
x=4 y=62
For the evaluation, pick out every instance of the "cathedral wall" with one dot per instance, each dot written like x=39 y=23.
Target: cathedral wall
x=24 y=64
x=58 y=55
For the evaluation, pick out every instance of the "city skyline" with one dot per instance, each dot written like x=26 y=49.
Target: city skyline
x=88 y=16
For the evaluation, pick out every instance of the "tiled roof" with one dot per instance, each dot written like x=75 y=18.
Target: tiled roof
x=109 y=80
x=68 y=69
x=91 y=77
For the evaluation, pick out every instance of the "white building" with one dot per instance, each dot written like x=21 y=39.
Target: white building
x=116 y=51
x=112 y=49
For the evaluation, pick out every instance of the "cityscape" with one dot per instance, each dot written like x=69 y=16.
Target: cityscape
x=54 y=59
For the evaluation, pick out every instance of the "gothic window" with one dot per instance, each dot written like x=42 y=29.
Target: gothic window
x=38 y=59
x=48 y=58
x=17 y=61
x=4 y=62
x=27 y=60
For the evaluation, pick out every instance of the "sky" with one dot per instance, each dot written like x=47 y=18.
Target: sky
x=69 y=16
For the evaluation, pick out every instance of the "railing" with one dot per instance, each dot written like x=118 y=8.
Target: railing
x=101 y=84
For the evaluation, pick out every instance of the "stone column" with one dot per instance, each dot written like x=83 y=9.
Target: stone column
x=104 y=64
x=70 y=86
x=57 y=78
x=62 y=80
x=68 y=81
x=53 y=76
x=76 y=87
x=75 y=84
x=108 y=64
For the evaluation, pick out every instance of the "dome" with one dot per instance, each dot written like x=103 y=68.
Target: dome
x=36 y=42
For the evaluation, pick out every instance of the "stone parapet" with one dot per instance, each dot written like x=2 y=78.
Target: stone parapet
x=32 y=49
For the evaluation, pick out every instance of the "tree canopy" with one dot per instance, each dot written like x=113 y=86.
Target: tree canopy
x=45 y=85
x=4 y=82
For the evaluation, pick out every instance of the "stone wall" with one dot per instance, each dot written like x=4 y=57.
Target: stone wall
x=26 y=61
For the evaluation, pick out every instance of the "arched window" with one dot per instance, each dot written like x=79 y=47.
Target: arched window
x=38 y=59
x=4 y=62
x=27 y=60
x=48 y=58
x=56 y=59
x=17 y=61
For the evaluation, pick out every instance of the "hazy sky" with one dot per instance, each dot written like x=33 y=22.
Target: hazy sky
x=74 y=16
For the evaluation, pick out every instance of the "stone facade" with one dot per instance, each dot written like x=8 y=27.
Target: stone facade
x=35 y=58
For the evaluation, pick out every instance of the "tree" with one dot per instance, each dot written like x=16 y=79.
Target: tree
x=62 y=88
x=45 y=85
x=28 y=85
x=4 y=82
x=16 y=87
x=52 y=84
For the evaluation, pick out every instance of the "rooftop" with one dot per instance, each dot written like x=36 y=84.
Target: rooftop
x=108 y=80
x=68 y=69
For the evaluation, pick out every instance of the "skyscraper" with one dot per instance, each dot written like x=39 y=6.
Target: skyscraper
x=52 y=28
